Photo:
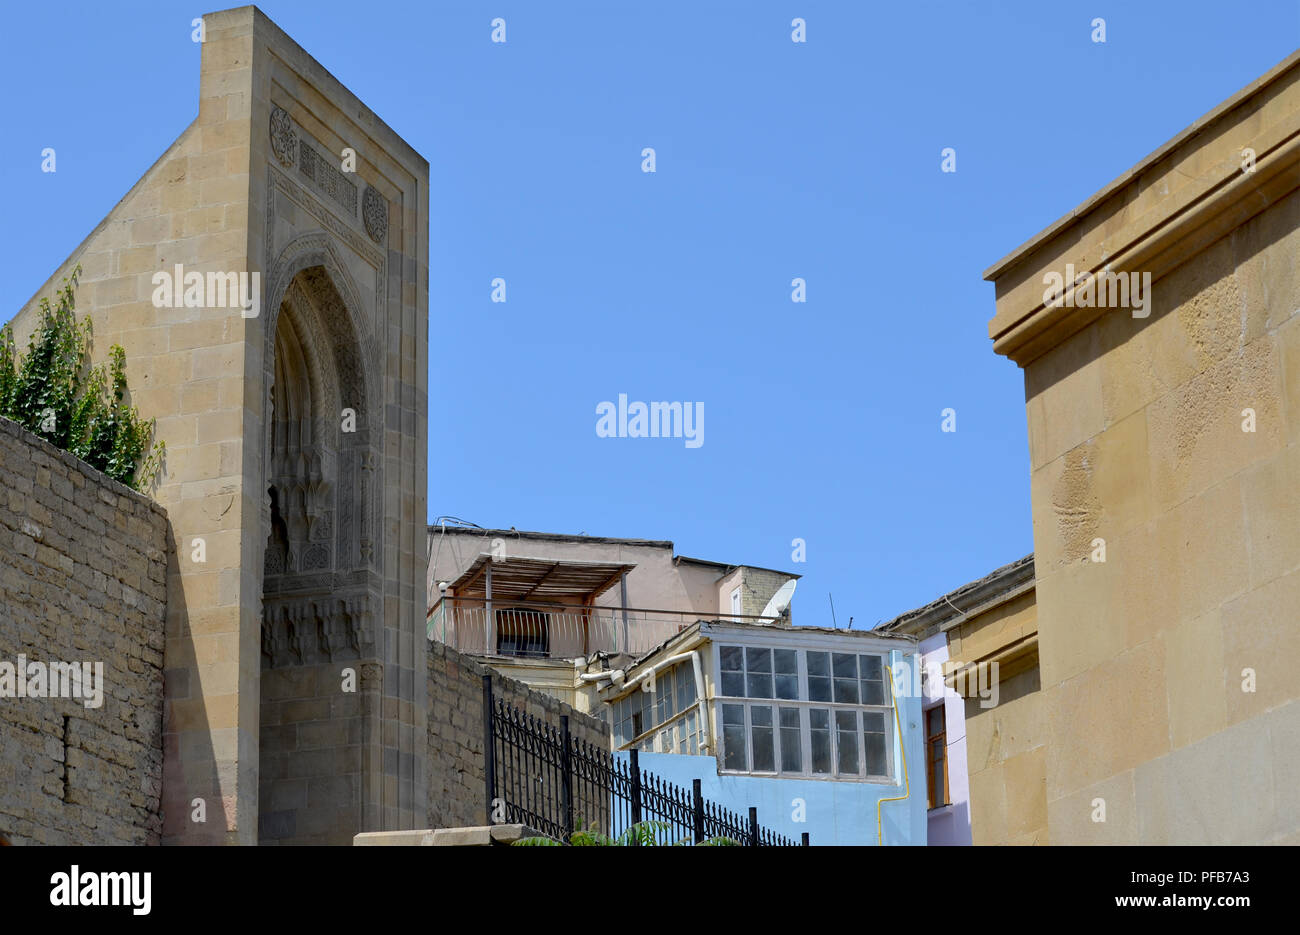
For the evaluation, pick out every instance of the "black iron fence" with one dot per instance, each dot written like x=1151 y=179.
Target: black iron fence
x=537 y=774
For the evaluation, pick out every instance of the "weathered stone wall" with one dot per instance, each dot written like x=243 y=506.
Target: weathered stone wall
x=457 y=797
x=1168 y=671
x=83 y=570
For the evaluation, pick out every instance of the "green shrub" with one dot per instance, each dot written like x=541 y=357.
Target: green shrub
x=55 y=393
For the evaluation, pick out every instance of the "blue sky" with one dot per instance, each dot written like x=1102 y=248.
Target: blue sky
x=775 y=160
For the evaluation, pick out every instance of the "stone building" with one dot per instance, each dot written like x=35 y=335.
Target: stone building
x=1165 y=451
x=544 y=608
x=295 y=418
x=985 y=734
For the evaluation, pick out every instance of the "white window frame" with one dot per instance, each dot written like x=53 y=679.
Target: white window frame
x=804 y=706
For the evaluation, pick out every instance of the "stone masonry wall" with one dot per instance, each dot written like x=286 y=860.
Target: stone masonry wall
x=758 y=587
x=456 y=779
x=83 y=567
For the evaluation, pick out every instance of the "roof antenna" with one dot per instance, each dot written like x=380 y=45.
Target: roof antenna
x=832 y=600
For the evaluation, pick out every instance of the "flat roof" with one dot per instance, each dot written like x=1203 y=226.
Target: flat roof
x=545 y=536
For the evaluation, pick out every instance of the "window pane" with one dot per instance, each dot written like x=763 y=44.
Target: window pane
x=873 y=743
x=791 y=741
x=934 y=721
x=846 y=691
x=758 y=660
x=787 y=686
x=819 y=676
x=819 y=720
x=873 y=685
x=785 y=663
x=733 y=737
x=760 y=717
x=846 y=665
x=664 y=699
x=846 y=742
x=685 y=686
x=733 y=684
x=732 y=658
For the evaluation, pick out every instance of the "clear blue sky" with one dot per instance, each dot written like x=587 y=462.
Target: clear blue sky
x=775 y=160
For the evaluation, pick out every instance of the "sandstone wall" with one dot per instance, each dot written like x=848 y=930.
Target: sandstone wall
x=457 y=796
x=83 y=570
x=1168 y=671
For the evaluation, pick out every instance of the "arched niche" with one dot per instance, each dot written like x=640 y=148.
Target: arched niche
x=320 y=464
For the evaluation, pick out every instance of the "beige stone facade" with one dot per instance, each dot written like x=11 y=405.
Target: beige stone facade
x=312 y=533
x=1168 y=690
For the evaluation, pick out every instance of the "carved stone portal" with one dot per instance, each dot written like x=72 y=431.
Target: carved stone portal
x=319 y=590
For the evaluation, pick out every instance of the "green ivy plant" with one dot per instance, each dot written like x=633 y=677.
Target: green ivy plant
x=54 y=392
x=641 y=834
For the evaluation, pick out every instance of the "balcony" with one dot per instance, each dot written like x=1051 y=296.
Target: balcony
x=546 y=608
x=540 y=630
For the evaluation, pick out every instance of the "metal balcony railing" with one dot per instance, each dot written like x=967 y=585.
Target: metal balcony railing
x=529 y=629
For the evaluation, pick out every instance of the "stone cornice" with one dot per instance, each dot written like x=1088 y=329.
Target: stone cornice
x=1168 y=207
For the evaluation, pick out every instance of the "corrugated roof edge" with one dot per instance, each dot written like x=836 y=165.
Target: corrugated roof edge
x=969 y=596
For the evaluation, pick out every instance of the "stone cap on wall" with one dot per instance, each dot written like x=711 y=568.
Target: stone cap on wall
x=1172 y=204
x=94 y=475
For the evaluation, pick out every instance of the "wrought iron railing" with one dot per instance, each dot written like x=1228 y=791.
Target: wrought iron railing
x=538 y=774
x=532 y=629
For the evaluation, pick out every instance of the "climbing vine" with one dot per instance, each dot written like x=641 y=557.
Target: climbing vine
x=54 y=392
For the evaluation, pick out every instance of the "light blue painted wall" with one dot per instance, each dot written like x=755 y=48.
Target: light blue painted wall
x=837 y=813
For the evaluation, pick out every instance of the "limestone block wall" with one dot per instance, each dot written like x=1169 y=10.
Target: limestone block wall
x=455 y=754
x=1006 y=750
x=1136 y=437
x=83 y=571
x=185 y=367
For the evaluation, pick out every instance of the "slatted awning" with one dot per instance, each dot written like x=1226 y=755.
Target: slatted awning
x=538 y=579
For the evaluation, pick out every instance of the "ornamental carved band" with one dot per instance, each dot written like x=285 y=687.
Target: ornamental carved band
x=283 y=140
x=374 y=212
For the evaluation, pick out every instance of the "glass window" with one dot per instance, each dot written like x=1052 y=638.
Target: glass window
x=785 y=670
x=685 y=686
x=733 y=671
x=819 y=676
x=758 y=681
x=733 y=737
x=664 y=697
x=819 y=723
x=764 y=743
x=791 y=741
x=846 y=742
x=845 y=666
x=872 y=680
x=874 y=738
